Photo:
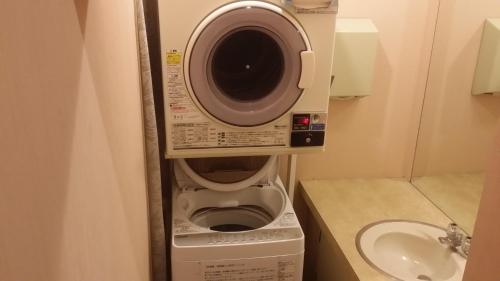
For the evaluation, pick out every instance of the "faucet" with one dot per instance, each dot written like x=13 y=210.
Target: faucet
x=456 y=239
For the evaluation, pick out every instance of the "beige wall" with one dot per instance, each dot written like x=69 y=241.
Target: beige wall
x=72 y=180
x=485 y=252
x=375 y=136
x=457 y=128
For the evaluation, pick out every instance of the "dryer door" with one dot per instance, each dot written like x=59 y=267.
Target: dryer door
x=248 y=63
x=229 y=173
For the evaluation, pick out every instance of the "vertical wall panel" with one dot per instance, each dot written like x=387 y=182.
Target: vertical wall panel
x=72 y=182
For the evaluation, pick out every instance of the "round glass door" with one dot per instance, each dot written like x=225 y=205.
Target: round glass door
x=244 y=65
x=247 y=64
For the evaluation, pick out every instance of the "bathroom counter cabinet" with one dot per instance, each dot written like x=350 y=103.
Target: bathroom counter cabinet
x=338 y=209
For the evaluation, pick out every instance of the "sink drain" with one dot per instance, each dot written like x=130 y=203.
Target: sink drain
x=424 y=278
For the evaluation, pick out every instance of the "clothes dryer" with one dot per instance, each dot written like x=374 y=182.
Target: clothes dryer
x=245 y=77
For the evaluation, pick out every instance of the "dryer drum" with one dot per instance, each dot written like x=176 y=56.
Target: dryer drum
x=247 y=64
x=232 y=219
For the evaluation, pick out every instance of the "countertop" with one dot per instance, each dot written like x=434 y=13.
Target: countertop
x=343 y=207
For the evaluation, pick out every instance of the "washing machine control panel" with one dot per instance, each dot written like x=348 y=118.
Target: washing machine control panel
x=221 y=238
x=308 y=129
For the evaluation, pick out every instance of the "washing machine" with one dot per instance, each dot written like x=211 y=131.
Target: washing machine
x=232 y=220
x=246 y=77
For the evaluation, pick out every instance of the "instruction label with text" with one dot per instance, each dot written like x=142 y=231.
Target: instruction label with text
x=259 y=269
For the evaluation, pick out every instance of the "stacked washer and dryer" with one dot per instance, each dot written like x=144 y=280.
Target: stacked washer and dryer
x=244 y=81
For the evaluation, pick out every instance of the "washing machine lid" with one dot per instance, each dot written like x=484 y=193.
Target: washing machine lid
x=247 y=63
x=229 y=173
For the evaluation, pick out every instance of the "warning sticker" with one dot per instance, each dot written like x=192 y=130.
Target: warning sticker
x=180 y=104
x=182 y=227
x=288 y=219
x=174 y=57
x=263 y=269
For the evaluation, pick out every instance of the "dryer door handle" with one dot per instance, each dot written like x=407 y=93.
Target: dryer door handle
x=308 y=69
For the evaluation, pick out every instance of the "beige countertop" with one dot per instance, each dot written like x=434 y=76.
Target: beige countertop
x=343 y=207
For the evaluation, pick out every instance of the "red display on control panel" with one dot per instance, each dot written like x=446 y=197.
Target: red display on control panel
x=304 y=121
x=301 y=122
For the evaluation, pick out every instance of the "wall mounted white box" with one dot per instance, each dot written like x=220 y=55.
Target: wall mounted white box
x=487 y=77
x=356 y=43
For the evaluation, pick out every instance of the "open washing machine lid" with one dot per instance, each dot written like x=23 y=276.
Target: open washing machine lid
x=247 y=63
x=228 y=173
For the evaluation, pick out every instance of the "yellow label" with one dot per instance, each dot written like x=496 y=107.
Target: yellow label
x=174 y=57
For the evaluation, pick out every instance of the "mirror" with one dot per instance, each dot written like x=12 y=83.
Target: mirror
x=457 y=129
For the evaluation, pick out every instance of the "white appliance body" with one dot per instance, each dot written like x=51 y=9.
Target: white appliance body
x=206 y=243
x=245 y=77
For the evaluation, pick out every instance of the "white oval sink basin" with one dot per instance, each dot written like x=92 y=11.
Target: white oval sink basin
x=409 y=251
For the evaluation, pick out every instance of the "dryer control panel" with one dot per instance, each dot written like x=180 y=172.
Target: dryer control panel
x=308 y=129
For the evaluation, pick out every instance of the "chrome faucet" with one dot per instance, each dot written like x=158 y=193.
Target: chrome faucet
x=466 y=245
x=456 y=239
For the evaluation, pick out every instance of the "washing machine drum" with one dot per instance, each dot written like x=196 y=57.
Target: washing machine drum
x=232 y=199
x=245 y=64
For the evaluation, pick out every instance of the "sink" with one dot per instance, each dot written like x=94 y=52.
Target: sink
x=409 y=251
